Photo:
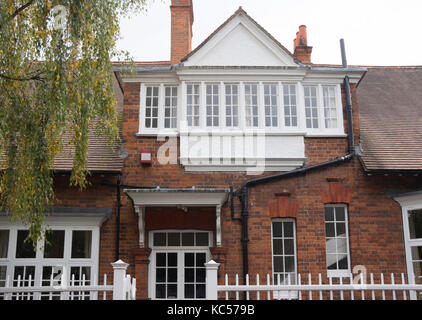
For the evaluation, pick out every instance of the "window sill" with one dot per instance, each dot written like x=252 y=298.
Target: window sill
x=339 y=274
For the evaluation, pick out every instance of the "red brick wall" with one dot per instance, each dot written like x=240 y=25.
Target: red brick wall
x=375 y=223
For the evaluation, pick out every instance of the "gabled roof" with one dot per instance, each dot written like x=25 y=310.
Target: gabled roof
x=240 y=12
x=390 y=115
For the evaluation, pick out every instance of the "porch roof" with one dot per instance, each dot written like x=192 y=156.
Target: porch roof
x=189 y=197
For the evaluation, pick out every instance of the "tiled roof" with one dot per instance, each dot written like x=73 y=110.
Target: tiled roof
x=102 y=157
x=390 y=112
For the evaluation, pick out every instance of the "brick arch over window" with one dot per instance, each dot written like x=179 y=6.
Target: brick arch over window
x=283 y=207
x=336 y=192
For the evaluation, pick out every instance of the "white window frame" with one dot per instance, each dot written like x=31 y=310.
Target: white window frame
x=160 y=130
x=200 y=106
x=290 y=128
x=180 y=254
x=284 y=294
x=409 y=203
x=278 y=116
x=173 y=109
x=232 y=106
x=244 y=106
x=66 y=224
x=220 y=105
x=344 y=272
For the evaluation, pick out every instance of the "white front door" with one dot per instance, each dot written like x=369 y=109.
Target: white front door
x=177 y=270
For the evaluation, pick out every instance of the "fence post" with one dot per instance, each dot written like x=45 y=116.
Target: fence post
x=119 y=276
x=211 y=279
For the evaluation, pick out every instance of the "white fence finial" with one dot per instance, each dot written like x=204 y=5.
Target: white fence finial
x=119 y=287
x=211 y=279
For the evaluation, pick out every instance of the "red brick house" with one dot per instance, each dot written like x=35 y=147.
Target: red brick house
x=242 y=152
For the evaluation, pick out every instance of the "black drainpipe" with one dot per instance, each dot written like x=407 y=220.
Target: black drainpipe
x=117 y=245
x=243 y=194
x=118 y=186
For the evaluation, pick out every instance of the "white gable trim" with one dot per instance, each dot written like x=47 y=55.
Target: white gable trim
x=241 y=20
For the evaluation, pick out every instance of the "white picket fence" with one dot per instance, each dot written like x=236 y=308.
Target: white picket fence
x=306 y=288
x=122 y=288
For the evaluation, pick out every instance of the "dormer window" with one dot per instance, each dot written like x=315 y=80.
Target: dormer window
x=273 y=107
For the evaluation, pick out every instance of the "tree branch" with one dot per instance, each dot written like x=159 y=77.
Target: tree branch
x=33 y=77
x=20 y=9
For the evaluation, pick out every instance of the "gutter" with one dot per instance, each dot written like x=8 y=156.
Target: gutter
x=244 y=189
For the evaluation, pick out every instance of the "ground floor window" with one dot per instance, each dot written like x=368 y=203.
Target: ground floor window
x=337 y=240
x=66 y=250
x=177 y=270
x=284 y=251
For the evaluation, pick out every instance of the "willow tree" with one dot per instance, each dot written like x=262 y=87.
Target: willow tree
x=55 y=76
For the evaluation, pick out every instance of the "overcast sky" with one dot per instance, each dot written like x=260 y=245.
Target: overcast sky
x=376 y=32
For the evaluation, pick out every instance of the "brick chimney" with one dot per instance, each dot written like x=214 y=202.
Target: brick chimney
x=181 y=29
x=300 y=46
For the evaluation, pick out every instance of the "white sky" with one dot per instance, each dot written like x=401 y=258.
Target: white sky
x=376 y=32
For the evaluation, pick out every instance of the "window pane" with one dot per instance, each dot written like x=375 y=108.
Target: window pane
x=161 y=259
x=189 y=275
x=159 y=239
x=160 y=275
x=277 y=229
x=340 y=214
x=331 y=262
x=277 y=246
x=289 y=264
x=189 y=259
x=200 y=275
x=200 y=259
x=289 y=246
x=329 y=230
x=189 y=291
x=160 y=291
x=329 y=213
x=341 y=229
x=4 y=243
x=202 y=239
x=200 y=291
x=342 y=262
x=81 y=244
x=172 y=259
x=24 y=249
x=172 y=291
x=54 y=244
x=174 y=239
x=288 y=229
x=415 y=224
x=172 y=275
x=278 y=264
x=188 y=239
